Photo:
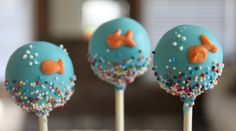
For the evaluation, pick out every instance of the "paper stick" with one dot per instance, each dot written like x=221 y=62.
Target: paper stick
x=188 y=114
x=43 y=123
x=119 y=109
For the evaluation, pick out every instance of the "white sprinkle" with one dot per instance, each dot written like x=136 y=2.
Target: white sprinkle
x=30 y=46
x=223 y=65
x=167 y=66
x=65 y=50
x=186 y=104
x=183 y=38
x=174 y=68
x=174 y=43
x=24 y=56
x=36 y=54
x=36 y=62
x=43 y=86
x=170 y=60
x=181 y=48
x=96 y=55
x=200 y=67
x=107 y=50
x=31 y=56
x=27 y=51
x=74 y=77
x=61 y=46
x=189 y=68
x=30 y=63
x=56 y=78
x=178 y=35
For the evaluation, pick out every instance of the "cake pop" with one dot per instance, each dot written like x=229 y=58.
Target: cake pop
x=119 y=51
x=188 y=61
x=40 y=77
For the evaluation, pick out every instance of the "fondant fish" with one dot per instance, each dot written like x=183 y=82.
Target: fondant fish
x=49 y=67
x=198 y=53
x=116 y=40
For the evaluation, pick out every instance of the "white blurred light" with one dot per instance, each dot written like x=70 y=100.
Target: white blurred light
x=16 y=28
x=96 y=12
x=2 y=76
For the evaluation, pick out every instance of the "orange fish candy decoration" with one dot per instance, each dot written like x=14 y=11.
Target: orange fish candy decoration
x=49 y=67
x=115 y=40
x=198 y=53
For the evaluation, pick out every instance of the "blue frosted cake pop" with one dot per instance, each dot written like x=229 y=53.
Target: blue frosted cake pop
x=40 y=77
x=119 y=51
x=188 y=61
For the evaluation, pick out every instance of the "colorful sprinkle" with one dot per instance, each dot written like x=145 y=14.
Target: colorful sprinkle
x=182 y=86
x=120 y=74
x=38 y=99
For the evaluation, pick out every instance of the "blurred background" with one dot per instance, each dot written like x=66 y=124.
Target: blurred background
x=72 y=22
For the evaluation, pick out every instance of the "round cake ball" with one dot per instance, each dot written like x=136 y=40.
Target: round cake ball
x=188 y=61
x=119 y=51
x=40 y=77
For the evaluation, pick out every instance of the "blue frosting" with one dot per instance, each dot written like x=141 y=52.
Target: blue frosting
x=105 y=58
x=174 y=71
x=33 y=90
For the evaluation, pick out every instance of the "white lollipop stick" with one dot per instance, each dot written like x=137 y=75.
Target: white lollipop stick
x=43 y=123
x=119 y=105
x=188 y=114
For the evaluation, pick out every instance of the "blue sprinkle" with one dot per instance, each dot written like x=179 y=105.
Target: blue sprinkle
x=173 y=60
x=41 y=78
x=190 y=72
x=71 y=78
